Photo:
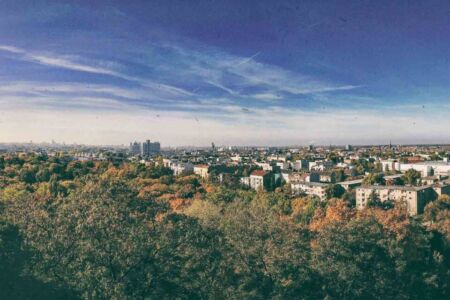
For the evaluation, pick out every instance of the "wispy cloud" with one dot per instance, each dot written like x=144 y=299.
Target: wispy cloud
x=56 y=61
x=222 y=87
x=248 y=59
x=267 y=96
x=72 y=63
x=228 y=72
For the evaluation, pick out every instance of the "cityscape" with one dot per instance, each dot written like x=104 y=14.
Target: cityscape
x=210 y=149
x=379 y=172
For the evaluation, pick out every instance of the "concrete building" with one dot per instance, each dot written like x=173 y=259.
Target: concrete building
x=135 y=148
x=320 y=165
x=145 y=149
x=415 y=198
x=167 y=162
x=245 y=181
x=304 y=177
x=260 y=179
x=202 y=171
x=427 y=168
x=310 y=188
x=328 y=177
x=301 y=164
x=149 y=148
x=182 y=168
x=265 y=166
x=442 y=188
x=388 y=165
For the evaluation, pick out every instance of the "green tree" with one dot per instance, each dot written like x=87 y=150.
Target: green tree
x=349 y=256
x=350 y=197
x=272 y=256
x=27 y=176
x=411 y=177
x=374 y=179
x=334 y=191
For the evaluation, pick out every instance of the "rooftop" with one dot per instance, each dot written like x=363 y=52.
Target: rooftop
x=394 y=187
x=259 y=173
x=202 y=166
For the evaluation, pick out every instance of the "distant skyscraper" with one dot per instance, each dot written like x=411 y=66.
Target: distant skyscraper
x=149 y=148
x=135 y=148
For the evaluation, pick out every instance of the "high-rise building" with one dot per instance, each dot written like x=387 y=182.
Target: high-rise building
x=135 y=148
x=149 y=148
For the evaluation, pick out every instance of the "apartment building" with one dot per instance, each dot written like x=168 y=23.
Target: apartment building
x=260 y=179
x=304 y=177
x=427 y=168
x=310 y=188
x=301 y=164
x=182 y=168
x=442 y=188
x=202 y=171
x=415 y=198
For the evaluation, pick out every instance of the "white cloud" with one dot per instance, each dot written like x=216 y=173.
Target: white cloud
x=274 y=125
x=11 y=49
x=71 y=63
x=56 y=61
x=266 y=96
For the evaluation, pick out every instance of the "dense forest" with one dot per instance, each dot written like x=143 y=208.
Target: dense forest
x=121 y=230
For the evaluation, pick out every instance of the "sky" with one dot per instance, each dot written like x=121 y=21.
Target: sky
x=229 y=72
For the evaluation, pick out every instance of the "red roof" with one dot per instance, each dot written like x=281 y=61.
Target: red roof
x=202 y=166
x=259 y=173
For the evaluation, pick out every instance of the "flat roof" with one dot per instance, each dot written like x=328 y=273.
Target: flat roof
x=394 y=187
x=351 y=181
x=311 y=183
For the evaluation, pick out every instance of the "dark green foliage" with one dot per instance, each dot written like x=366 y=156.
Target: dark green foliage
x=374 y=179
x=106 y=230
x=411 y=177
x=15 y=282
x=334 y=191
x=354 y=262
x=272 y=258
x=350 y=197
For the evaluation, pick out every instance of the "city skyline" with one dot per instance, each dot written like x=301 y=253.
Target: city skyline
x=253 y=73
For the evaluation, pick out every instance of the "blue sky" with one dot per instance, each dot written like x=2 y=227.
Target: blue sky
x=232 y=72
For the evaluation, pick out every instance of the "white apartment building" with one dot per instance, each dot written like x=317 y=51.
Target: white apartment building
x=202 y=171
x=426 y=168
x=388 y=165
x=320 y=165
x=415 y=198
x=265 y=166
x=181 y=168
x=259 y=179
x=310 y=188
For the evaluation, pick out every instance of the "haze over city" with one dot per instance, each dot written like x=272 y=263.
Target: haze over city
x=236 y=73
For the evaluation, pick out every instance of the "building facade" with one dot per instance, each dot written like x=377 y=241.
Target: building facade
x=415 y=198
x=149 y=148
x=202 y=171
x=310 y=188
